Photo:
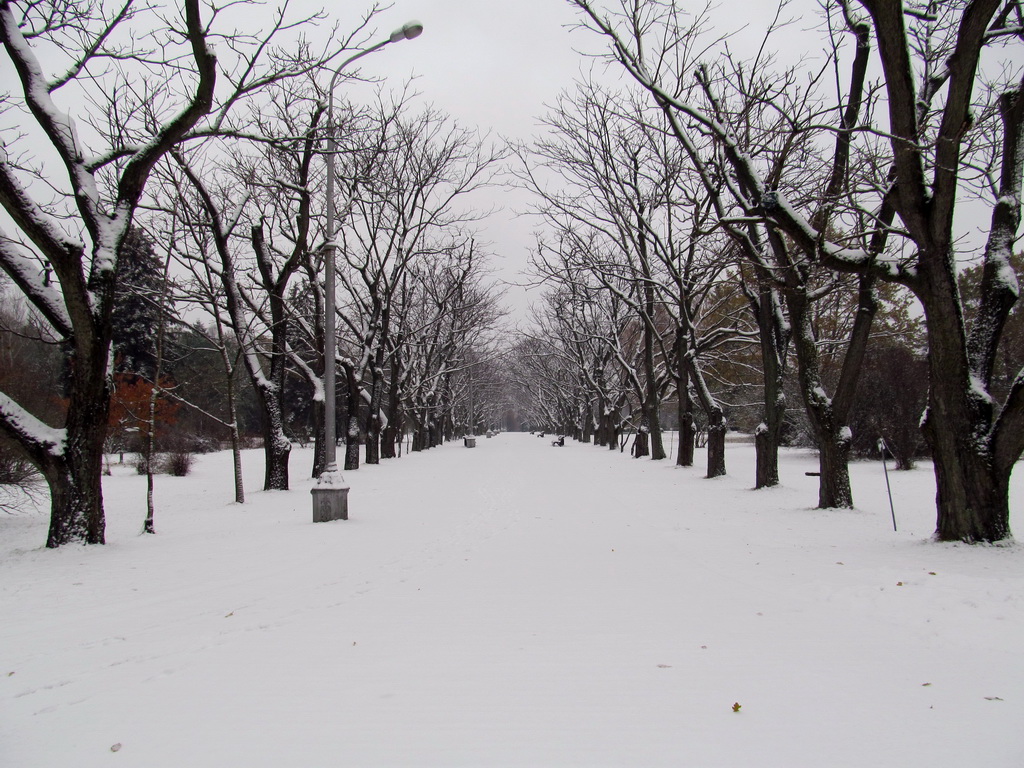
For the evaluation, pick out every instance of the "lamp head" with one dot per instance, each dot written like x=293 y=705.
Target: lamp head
x=407 y=31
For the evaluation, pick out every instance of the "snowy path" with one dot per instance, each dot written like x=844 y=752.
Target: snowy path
x=513 y=605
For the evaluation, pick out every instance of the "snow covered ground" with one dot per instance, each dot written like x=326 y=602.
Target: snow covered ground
x=514 y=605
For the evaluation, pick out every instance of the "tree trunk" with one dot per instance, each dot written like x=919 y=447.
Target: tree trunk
x=972 y=498
x=774 y=341
x=76 y=505
x=392 y=435
x=75 y=476
x=715 y=416
x=972 y=489
x=768 y=434
x=276 y=451
x=833 y=462
x=828 y=416
x=716 y=443
x=76 y=494
x=641 y=444
x=373 y=422
x=687 y=433
x=236 y=442
x=276 y=446
x=352 y=429
x=236 y=457
x=418 y=432
x=319 y=446
x=149 y=526
x=687 y=427
x=651 y=403
x=766 y=449
x=657 y=438
x=601 y=433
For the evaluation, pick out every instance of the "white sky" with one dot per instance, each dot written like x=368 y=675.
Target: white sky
x=493 y=65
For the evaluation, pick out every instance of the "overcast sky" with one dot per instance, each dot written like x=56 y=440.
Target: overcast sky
x=492 y=65
x=495 y=65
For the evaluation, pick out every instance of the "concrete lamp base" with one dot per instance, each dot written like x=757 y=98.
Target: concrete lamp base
x=330 y=499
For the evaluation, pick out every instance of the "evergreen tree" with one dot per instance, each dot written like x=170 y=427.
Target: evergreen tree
x=136 y=313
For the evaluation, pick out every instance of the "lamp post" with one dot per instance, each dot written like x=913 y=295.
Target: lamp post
x=330 y=496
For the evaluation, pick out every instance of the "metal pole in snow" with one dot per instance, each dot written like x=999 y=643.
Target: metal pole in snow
x=881 y=448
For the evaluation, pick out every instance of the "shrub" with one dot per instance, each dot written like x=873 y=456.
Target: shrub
x=179 y=463
x=20 y=482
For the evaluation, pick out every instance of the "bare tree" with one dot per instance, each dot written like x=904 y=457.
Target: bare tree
x=407 y=182
x=943 y=123
x=449 y=318
x=77 y=233
x=203 y=289
x=761 y=122
x=266 y=239
x=629 y=209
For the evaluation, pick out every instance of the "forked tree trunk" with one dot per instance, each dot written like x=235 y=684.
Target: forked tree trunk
x=828 y=416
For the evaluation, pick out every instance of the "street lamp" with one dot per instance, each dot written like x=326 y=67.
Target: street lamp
x=330 y=496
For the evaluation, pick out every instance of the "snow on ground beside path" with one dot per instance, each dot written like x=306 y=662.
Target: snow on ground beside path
x=513 y=605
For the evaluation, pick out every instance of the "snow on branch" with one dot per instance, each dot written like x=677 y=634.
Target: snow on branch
x=58 y=126
x=31 y=432
x=30 y=276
